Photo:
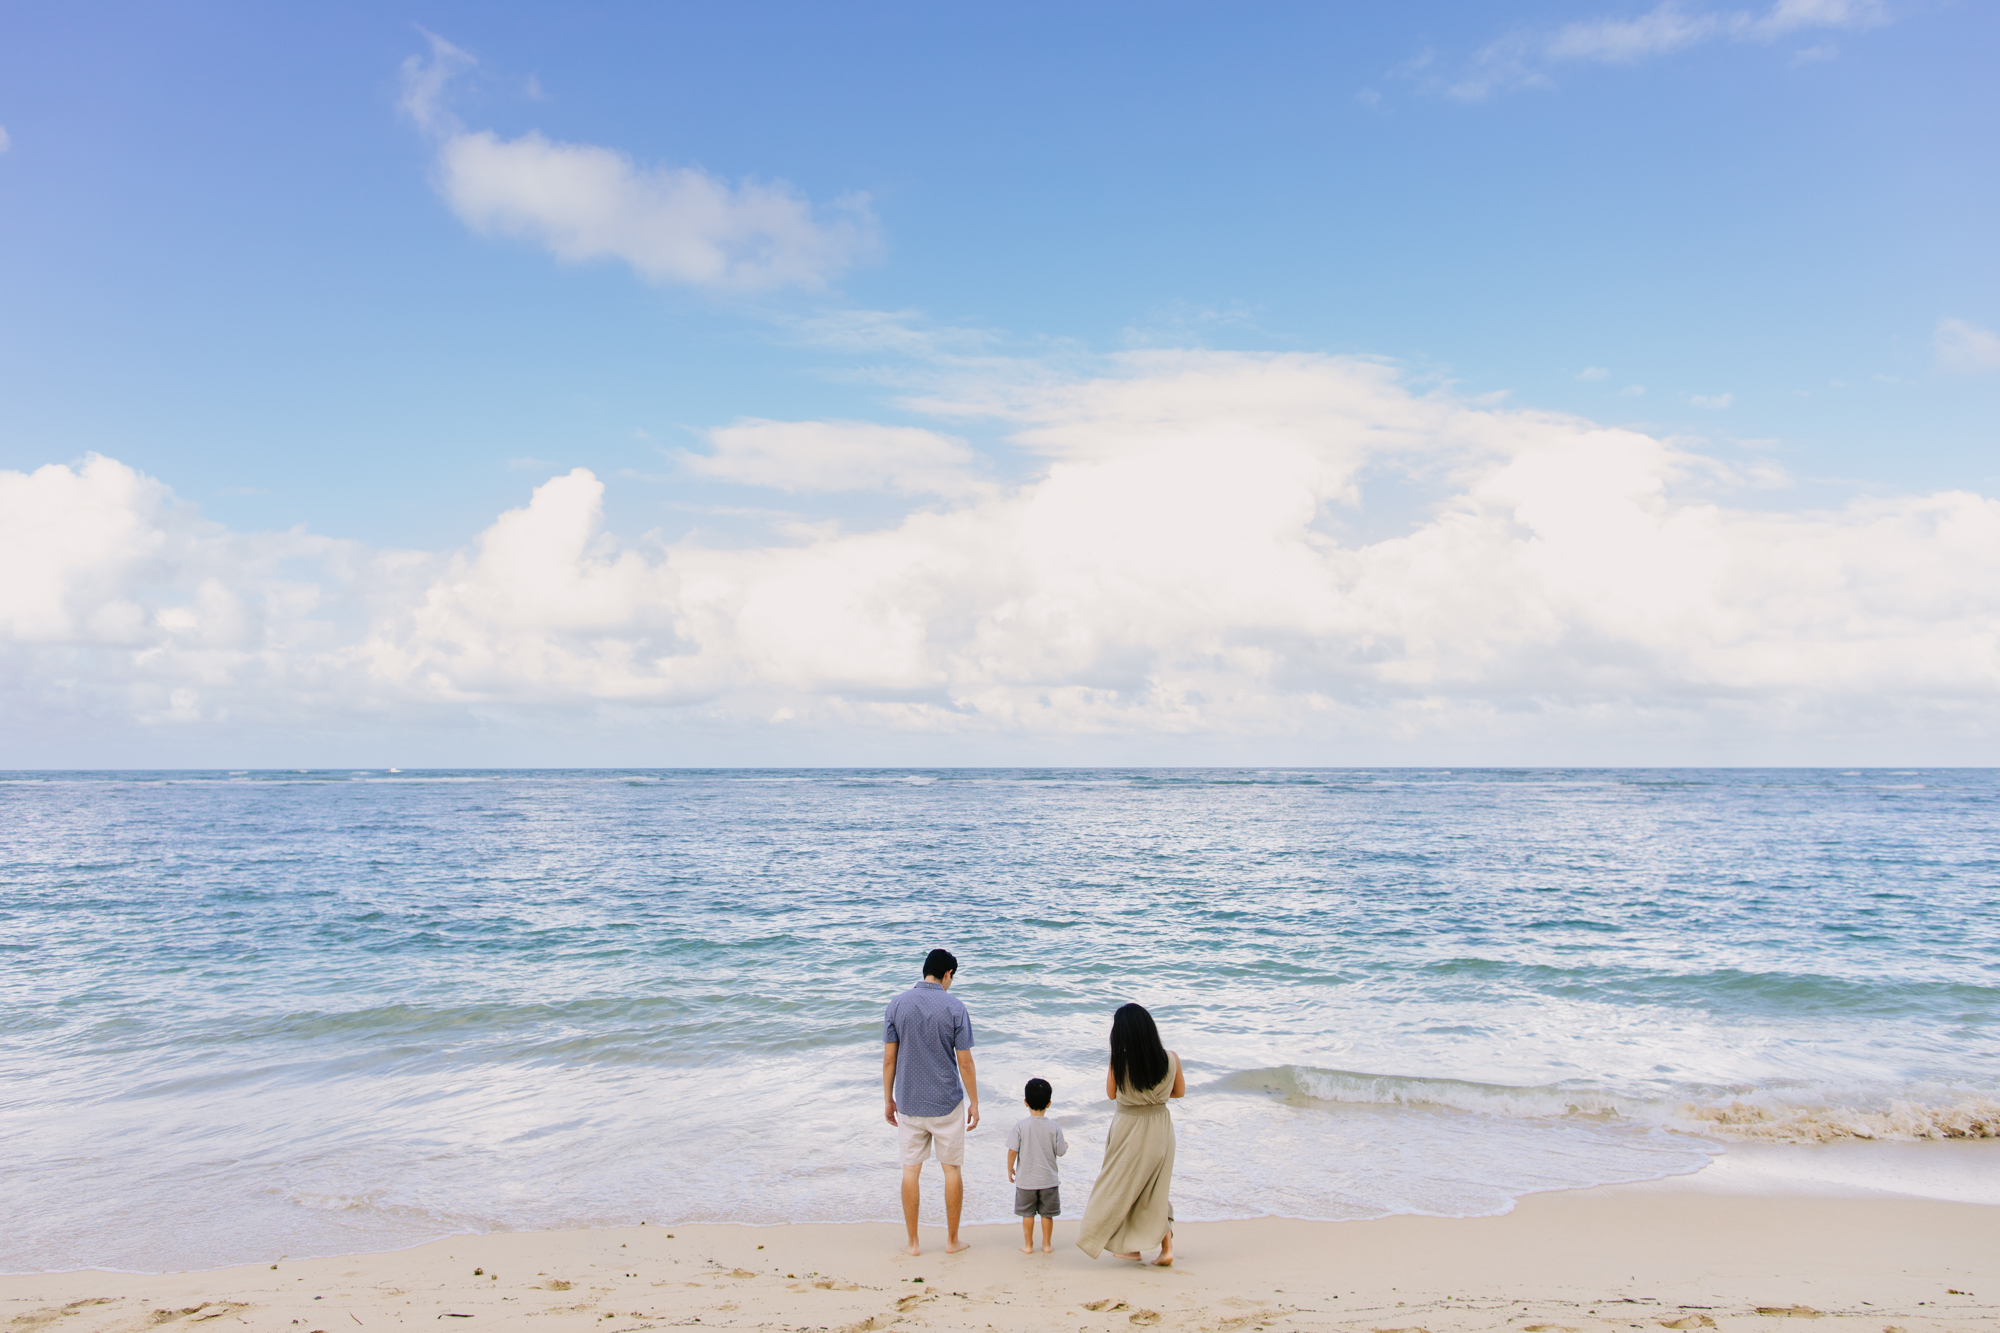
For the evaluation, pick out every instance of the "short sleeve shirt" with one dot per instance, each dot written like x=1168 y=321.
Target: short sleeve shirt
x=1037 y=1141
x=929 y=1028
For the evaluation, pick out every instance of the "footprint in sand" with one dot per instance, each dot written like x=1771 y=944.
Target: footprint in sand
x=1790 y=1311
x=1107 y=1305
x=1689 y=1321
x=1144 y=1317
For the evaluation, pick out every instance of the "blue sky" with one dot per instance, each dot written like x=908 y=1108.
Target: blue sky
x=237 y=261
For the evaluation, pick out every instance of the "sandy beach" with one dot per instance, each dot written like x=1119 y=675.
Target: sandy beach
x=1634 y=1257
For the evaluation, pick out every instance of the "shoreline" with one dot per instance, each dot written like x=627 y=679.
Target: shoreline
x=1729 y=1254
x=1961 y=1171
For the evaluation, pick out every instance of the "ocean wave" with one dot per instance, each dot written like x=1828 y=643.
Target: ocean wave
x=1901 y=1121
x=1747 y=1115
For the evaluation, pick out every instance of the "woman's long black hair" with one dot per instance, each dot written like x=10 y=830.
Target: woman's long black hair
x=1138 y=1060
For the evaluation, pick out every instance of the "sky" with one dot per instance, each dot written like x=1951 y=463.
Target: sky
x=702 y=384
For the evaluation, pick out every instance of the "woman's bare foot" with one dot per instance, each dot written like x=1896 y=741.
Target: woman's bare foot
x=1166 y=1259
x=1134 y=1255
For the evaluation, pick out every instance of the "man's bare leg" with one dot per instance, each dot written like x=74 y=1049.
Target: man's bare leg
x=954 y=1199
x=912 y=1195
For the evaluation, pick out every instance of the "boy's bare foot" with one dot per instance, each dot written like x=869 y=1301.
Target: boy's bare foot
x=1029 y=1248
x=955 y=1246
x=912 y=1250
x=1047 y=1250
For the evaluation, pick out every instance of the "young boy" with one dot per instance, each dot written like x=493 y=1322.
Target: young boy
x=1033 y=1145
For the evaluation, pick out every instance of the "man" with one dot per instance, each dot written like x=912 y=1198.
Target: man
x=930 y=1091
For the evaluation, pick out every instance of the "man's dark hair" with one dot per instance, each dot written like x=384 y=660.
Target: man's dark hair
x=1138 y=1058
x=1038 y=1094
x=938 y=962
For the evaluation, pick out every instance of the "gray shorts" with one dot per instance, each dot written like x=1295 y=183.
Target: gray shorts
x=1038 y=1203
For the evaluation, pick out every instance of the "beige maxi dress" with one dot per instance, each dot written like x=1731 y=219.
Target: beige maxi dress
x=1129 y=1209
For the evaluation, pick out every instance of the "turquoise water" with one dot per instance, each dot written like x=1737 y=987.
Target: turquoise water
x=261 y=1014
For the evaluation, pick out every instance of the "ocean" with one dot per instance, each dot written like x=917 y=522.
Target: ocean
x=254 y=1015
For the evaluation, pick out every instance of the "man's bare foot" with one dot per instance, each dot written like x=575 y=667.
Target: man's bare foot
x=912 y=1250
x=957 y=1245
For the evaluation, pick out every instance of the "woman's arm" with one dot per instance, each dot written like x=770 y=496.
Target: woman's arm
x=1180 y=1077
x=1111 y=1084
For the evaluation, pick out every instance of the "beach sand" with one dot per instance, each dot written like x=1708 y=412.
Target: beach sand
x=1630 y=1257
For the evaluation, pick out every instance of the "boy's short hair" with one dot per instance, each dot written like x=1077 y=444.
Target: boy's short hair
x=1039 y=1094
x=938 y=962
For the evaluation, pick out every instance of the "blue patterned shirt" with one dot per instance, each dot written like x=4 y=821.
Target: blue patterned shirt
x=930 y=1027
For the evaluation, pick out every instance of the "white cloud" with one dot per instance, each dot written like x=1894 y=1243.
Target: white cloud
x=584 y=202
x=1966 y=349
x=1660 y=31
x=1633 y=391
x=840 y=456
x=1173 y=576
x=1592 y=374
x=1523 y=59
x=1715 y=402
x=425 y=83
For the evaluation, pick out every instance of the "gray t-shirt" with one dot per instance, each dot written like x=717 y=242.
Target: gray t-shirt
x=1039 y=1141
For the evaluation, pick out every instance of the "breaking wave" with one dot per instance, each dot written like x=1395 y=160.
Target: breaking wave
x=1900 y=1121
x=1744 y=1115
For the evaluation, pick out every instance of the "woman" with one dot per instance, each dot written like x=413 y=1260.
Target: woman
x=1129 y=1211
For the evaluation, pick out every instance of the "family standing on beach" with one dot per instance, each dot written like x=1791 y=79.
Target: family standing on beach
x=930 y=1093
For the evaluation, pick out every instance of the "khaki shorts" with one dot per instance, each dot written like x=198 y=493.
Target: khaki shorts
x=920 y=1132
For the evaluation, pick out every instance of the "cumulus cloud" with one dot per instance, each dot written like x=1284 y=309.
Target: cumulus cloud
x=1593 y=374
x=671 y=224
x=121 y=602
x=1175 y=569
x=1966 y=349
x=1525 y=59
x=839 y=456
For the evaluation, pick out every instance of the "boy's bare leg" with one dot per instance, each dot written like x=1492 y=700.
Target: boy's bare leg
x=912 y=1195
x=1048 y=1235
x=1028 y=1234
x=954 y=1199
